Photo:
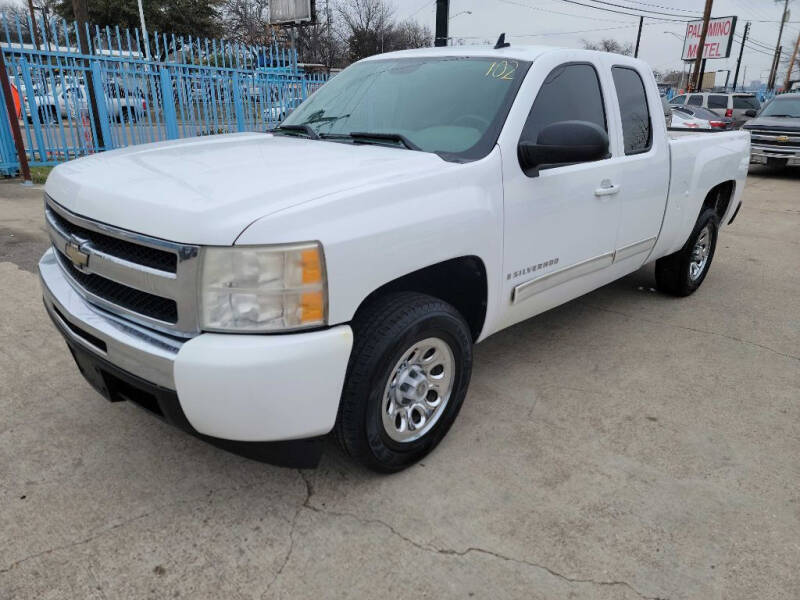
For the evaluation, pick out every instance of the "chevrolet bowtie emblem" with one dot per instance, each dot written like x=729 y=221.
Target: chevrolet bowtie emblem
x=782 y=139
x=78 y=257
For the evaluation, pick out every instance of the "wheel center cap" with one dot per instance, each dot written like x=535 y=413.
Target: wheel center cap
x=412 y=385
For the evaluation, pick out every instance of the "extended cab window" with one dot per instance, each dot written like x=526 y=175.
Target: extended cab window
x=695 y=100
x=569 y=93
x=717 y=101
x=637 y=130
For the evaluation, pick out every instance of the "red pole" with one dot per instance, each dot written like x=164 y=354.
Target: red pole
x=13 y=121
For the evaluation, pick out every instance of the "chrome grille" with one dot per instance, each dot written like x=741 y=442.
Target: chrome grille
x=147 y=280
x=775 y=139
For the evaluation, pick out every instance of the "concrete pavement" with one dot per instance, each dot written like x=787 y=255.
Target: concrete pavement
x=626 y=445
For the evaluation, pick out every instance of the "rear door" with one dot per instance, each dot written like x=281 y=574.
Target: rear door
x=642 y=172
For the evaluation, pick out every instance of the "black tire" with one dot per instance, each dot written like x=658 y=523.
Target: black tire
x=384 y=331
x=674 y=272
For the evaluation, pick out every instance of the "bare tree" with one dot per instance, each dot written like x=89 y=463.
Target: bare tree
x=368 y=27
x=320 y=42
x=247 y=21
x=609 y=45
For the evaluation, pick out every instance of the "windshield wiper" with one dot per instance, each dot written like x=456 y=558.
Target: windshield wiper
x=366 y=137
x=305 y=128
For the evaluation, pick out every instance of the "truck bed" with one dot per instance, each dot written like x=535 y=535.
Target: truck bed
x=699 y=161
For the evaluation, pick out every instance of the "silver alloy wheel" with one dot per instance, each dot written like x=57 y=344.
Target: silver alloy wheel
x=700 y=252
x=418 y=389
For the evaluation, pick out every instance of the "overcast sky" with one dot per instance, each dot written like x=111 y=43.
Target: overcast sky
x=560 y=23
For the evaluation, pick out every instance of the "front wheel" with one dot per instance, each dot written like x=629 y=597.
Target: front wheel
x=406 y=380
x=681 y=273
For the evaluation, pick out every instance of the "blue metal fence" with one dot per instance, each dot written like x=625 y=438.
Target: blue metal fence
x=189 y=87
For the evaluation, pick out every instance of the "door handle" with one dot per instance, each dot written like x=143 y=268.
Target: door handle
x=607 y=189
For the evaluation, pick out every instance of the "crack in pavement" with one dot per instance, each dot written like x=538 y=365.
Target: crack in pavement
x=100 y=532
x=684 y=327
x=307 y=505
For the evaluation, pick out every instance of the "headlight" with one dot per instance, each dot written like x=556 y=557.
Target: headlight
x=263 y=288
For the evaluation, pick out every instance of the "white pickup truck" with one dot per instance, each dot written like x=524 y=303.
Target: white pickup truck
x=264 y=290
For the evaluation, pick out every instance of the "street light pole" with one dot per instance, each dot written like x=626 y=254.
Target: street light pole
x=741 y=51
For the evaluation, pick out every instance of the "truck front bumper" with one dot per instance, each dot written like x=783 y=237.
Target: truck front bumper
x=223 y=387
x=764 y=155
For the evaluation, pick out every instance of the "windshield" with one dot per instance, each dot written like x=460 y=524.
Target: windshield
x=453 y=106
x=782 y=107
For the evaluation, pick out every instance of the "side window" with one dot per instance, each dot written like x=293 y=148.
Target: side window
x=570 y=92
x=717 y=101
x=678 y=100
x=695 y=100
x=637 y=130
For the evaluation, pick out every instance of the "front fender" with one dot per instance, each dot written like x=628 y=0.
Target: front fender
x=377 y=233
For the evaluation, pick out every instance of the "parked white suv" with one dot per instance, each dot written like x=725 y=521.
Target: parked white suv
x=263 y=290
x=740 y=106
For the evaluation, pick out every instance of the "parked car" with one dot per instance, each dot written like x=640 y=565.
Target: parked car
x=696 y=117
x=775 y=132
x=738 y=106
x=263 y=290
x=279 y=109
x=122 y=104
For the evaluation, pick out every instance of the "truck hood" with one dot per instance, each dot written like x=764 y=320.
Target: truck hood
x=208 y=190
x=784 y=123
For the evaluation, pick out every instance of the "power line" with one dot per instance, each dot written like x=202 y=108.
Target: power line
x=556 y=12
x=630 y=14
x=666 y=7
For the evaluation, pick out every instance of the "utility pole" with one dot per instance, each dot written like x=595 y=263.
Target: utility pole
x=774 y=70
x=776 y=61
x=442 y=17
x=788 y=81
x=695 y=82
x=638 y=37
x=81 y=10
x=741 y=51
x=36 y=38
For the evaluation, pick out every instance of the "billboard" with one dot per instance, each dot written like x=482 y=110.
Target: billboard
x=719 y=38
x=290 y=11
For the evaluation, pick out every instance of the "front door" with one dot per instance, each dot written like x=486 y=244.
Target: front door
x=560 y=224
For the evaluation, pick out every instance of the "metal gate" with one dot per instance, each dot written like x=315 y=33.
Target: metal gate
x=189 y=87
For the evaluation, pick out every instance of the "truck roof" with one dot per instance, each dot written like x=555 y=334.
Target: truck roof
x=515 y=52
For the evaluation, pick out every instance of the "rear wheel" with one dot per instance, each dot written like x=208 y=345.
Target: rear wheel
x=406 y=380
x=682 y=272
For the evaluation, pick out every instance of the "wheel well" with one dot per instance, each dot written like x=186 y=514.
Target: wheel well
x=459 y=281
x=719 y=198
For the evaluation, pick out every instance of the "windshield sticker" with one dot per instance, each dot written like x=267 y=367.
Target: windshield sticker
x=503 y=69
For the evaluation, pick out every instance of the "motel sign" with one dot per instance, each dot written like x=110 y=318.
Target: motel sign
x=719 y=38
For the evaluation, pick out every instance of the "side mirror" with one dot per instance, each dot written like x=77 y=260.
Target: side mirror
x=750 y=113
x=563 y=143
